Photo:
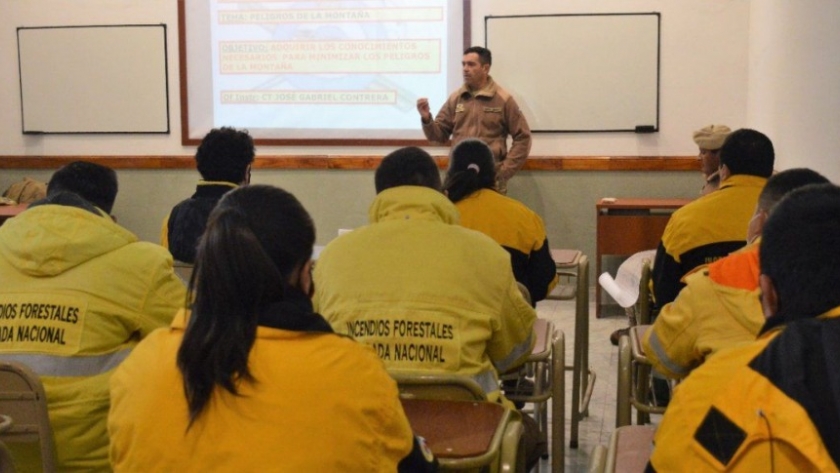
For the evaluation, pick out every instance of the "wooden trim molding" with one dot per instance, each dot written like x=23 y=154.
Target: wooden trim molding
x=534 y=163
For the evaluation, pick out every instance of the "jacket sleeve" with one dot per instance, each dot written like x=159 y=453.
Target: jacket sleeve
x=440 y=129
x=671 y=342
x=665 y=274
x=513 y=337
x=165 y=296
x=542 y=272
x=521 y=134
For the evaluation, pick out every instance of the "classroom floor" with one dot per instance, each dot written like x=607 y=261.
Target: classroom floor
x=603 y=359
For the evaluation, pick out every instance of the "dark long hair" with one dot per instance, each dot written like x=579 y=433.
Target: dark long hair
x=471 y=167
x=256 y=237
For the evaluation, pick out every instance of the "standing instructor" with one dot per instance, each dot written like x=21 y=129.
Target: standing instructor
x=481 y=109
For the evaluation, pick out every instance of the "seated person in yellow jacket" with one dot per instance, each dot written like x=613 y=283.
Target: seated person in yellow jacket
x=470 y=185
x=78 y=293
x=224 y=160
x=429 y=295
x=251 y=379
x=719 y=306
x=774 y=404
x=714 y=225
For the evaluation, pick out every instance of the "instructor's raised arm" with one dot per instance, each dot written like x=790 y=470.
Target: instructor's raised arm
x=423 y=109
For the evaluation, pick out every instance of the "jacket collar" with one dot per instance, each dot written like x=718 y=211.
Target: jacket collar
x=778 y=321
x=294 y=313
x=410 y=203
x=213 y=189
x=489 y=89
x=743 y=180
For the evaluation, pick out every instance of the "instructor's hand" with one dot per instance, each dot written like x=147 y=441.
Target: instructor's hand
x=423 y=108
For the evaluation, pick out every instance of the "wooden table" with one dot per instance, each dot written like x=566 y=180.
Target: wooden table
x=626 y=226
x=9 y=211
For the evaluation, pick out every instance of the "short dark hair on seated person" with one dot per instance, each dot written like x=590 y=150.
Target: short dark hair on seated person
x=484 y=54
x=95 y=183
x=799 y=251
x=224 y=155
x=747 y=151
x=786 y=181
x=471 y=167
x=257 y=237
x=410 y=166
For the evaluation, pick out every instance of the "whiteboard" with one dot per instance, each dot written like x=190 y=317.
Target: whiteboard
x=579 y=73
x=93 y=79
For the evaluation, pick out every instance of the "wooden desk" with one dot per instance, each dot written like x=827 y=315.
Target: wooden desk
x=455 y=429
x=9 y=211
x=627 y=226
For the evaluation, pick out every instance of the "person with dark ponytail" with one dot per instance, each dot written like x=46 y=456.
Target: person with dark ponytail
x=469 y=184
x=251 y=379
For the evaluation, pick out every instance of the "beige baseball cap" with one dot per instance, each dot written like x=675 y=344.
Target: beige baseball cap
x=711 y=137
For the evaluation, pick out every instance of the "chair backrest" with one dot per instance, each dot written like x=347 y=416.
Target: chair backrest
x=183 y=270
x=7 y=465
x=643 y=304
x=630 y=448
x=442 y=386
x=22 y=398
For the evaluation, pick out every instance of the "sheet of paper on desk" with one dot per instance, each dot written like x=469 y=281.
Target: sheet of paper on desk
x=624 y=288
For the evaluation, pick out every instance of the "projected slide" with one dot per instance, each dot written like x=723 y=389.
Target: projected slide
x=320 y=70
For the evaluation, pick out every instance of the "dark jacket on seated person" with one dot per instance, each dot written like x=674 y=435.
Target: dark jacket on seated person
x=186 y=223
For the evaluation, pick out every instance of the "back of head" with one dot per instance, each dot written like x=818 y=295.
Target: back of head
x=409 y=166
x=93 y=182
x=799 y=251
x=256 y=239
x=747 y=151
x=471 y=167
x=785 y=182
x=224 y=155
x=484 y=54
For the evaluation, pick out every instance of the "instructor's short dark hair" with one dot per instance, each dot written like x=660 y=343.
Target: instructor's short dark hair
x=484 y=54
x=409 y=166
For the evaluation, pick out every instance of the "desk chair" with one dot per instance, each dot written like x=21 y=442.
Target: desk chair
x=22 y=398
x=630 y=449
x=634 y=380
x=549 y=382
x=640 y=312
x=573 y=265
x=444 y=386
x=460 y=426
x=6 y=463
